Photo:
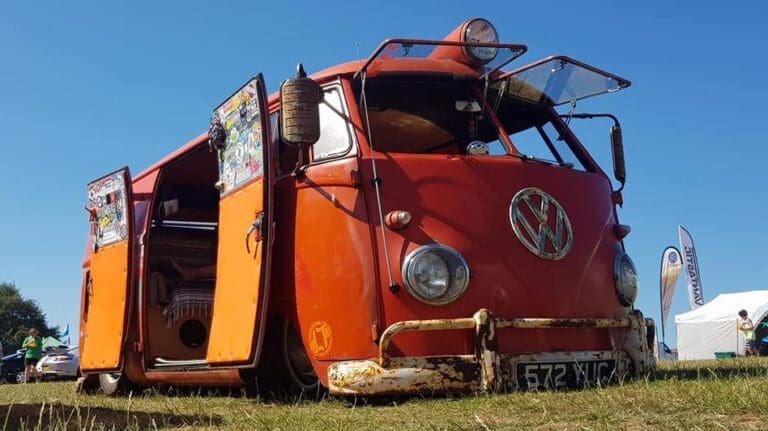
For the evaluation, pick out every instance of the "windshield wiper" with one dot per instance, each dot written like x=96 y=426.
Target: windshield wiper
x=528 y=158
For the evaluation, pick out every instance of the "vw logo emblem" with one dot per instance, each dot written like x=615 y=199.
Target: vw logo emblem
x=541 y=224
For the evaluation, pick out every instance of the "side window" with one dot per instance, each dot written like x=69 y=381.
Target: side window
x=335 y=131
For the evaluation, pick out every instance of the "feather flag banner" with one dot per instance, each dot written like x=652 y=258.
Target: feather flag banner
x=691 y=267
x=671 y=265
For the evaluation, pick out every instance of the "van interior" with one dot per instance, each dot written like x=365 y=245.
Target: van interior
x=181 y=258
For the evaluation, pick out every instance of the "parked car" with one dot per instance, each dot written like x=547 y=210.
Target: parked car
x=13 y=367
x=61 y=364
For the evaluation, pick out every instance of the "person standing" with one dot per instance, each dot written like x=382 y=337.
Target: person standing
x=34 y=346
x=746 y=326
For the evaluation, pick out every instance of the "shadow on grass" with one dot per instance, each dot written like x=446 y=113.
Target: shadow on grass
x=65 y=417
x=729 y=368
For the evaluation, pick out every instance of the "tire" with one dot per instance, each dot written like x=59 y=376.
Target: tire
x=20 y=377
x=284 y=370
x=297 y=363
x=114 y=384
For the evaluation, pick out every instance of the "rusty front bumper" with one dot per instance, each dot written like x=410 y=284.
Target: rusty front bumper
x=486 y=369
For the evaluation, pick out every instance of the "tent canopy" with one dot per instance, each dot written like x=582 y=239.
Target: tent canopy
x=52 y=343
x=712 y=327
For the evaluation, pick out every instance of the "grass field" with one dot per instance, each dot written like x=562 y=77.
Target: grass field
x=711 y=395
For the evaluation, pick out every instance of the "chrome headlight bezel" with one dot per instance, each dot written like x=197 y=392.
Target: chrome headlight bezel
x=458 y=271
x=480 y=30
x=625 y=279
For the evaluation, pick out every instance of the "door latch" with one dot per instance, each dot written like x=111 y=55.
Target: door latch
x=256 y=226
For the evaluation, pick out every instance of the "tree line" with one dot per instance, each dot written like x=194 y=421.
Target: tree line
x=17 y=315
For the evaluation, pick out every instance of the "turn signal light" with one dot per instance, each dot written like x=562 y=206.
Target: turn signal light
x=397 y=219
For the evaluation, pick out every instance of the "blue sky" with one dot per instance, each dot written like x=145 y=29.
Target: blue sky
x=87 y=87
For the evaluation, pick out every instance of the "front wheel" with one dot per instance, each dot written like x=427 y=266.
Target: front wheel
x=285 y=368
x=113 y=383
x=20 y=377
x=297 y=362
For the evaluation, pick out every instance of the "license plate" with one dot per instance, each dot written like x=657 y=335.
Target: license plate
x=560 y=375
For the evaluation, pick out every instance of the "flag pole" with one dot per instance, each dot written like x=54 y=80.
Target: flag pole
x=661 y=298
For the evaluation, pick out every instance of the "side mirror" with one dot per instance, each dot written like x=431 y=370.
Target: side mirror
x=617 y=149
x=300 y=110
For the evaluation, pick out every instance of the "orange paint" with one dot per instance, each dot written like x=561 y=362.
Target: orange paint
x=329 y=275
x=238 y=277
x=103 y=332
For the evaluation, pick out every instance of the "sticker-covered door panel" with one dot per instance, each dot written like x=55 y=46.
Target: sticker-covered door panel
x=107 y=288
x=245 y=183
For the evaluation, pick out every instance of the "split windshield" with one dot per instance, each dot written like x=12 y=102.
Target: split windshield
x=422 y=116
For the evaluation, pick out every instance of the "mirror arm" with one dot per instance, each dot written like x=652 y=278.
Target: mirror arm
x=300 y=170
x=616 y=126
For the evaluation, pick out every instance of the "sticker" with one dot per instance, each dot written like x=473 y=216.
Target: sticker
x=320 y=337
x=241 y=160
x=107 y=197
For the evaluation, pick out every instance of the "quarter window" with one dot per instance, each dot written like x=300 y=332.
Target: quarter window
x=335 y=132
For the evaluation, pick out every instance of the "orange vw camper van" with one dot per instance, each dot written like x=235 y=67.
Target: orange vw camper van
x=421 y=220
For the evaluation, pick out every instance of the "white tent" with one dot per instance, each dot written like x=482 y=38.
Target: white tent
x=712 y=327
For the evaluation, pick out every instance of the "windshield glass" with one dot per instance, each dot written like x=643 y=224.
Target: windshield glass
x=535 y=136
x=422 y=116
x=557 y=80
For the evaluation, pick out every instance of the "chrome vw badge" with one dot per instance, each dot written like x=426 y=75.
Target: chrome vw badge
x=541 y=224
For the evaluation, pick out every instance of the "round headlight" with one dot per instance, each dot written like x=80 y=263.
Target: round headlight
x=481 y=31
x=625 y=278
x=435 y=274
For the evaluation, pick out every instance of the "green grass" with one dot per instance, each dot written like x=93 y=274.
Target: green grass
x=709 y=395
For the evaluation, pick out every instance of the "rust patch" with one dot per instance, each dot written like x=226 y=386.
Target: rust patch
x=485 y=369
x=543 y=323
x=405 y=376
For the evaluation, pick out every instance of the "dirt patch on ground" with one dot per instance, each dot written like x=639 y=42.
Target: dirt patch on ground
x=64 y=417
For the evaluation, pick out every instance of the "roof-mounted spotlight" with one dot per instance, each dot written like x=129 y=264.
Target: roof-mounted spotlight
x=479 y=30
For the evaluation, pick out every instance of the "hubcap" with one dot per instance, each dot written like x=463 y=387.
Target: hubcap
x=112 y=378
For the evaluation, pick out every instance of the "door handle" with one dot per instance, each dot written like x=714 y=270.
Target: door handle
x=256 y=227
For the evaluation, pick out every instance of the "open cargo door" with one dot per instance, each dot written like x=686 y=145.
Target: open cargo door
x=245 y=234
x=557 y=80
x=106 y=299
